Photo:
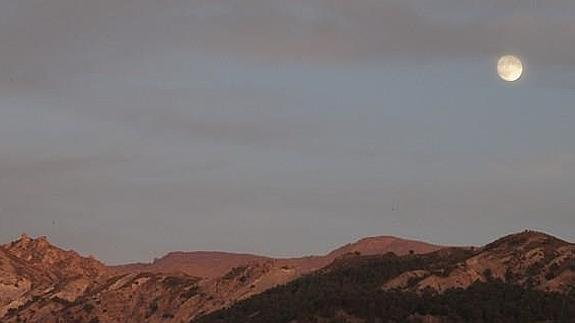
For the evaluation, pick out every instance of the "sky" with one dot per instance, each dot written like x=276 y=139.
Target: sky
x=129 y=129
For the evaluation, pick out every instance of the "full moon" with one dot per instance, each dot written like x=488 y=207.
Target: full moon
x=509 y=68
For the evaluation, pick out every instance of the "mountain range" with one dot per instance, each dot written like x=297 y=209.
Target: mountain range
x=40 y=282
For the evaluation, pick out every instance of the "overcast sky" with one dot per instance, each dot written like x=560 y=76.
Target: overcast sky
x=130 y=128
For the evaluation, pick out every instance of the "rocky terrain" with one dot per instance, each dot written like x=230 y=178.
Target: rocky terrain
x=33 y=269
x=524 y=277
x=42 y=283
x=529 y=259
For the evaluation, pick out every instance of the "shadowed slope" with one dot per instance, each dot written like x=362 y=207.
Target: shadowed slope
x=524 y=277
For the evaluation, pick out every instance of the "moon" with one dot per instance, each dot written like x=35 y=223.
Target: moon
x=509 y=68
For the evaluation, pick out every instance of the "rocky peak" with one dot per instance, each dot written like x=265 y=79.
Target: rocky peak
x=39 y=253
x=525 y=240
x=28 y=248
x=24 y=238
x=27 y=243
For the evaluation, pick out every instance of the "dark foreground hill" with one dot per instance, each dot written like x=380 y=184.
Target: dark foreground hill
x=526 y=277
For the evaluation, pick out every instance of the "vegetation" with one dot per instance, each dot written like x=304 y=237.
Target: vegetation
x=353 y=286
x=173 y=282
x=235 y=272
x=191 y=292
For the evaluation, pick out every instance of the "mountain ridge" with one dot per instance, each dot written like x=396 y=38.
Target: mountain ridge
x=523 y=277
x=41 y=282
x=38 y=278
x=189 y=262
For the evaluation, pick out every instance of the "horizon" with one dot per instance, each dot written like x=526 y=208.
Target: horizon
x=82 y=254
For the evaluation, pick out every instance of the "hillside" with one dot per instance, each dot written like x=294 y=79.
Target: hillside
x=40 y=282
x=526 y=277
x=32 y=269
x=205 y=264
x=212 y=264
x=383 y=278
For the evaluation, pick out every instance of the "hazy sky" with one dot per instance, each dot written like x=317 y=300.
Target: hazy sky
x=129 y=128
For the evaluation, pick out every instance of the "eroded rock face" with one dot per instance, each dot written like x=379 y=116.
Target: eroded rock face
x=40 y=255
x=73 y=289
x=33 y=269
x=404 y=280
x=40 y=282
x=529 y=259
x=13 y=291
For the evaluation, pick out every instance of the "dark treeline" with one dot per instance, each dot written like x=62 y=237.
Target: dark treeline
x=353 y=286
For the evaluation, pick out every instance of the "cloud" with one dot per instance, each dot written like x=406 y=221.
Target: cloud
x=44 y=40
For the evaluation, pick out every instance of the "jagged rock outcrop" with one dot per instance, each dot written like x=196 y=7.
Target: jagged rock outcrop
x=32 y=269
